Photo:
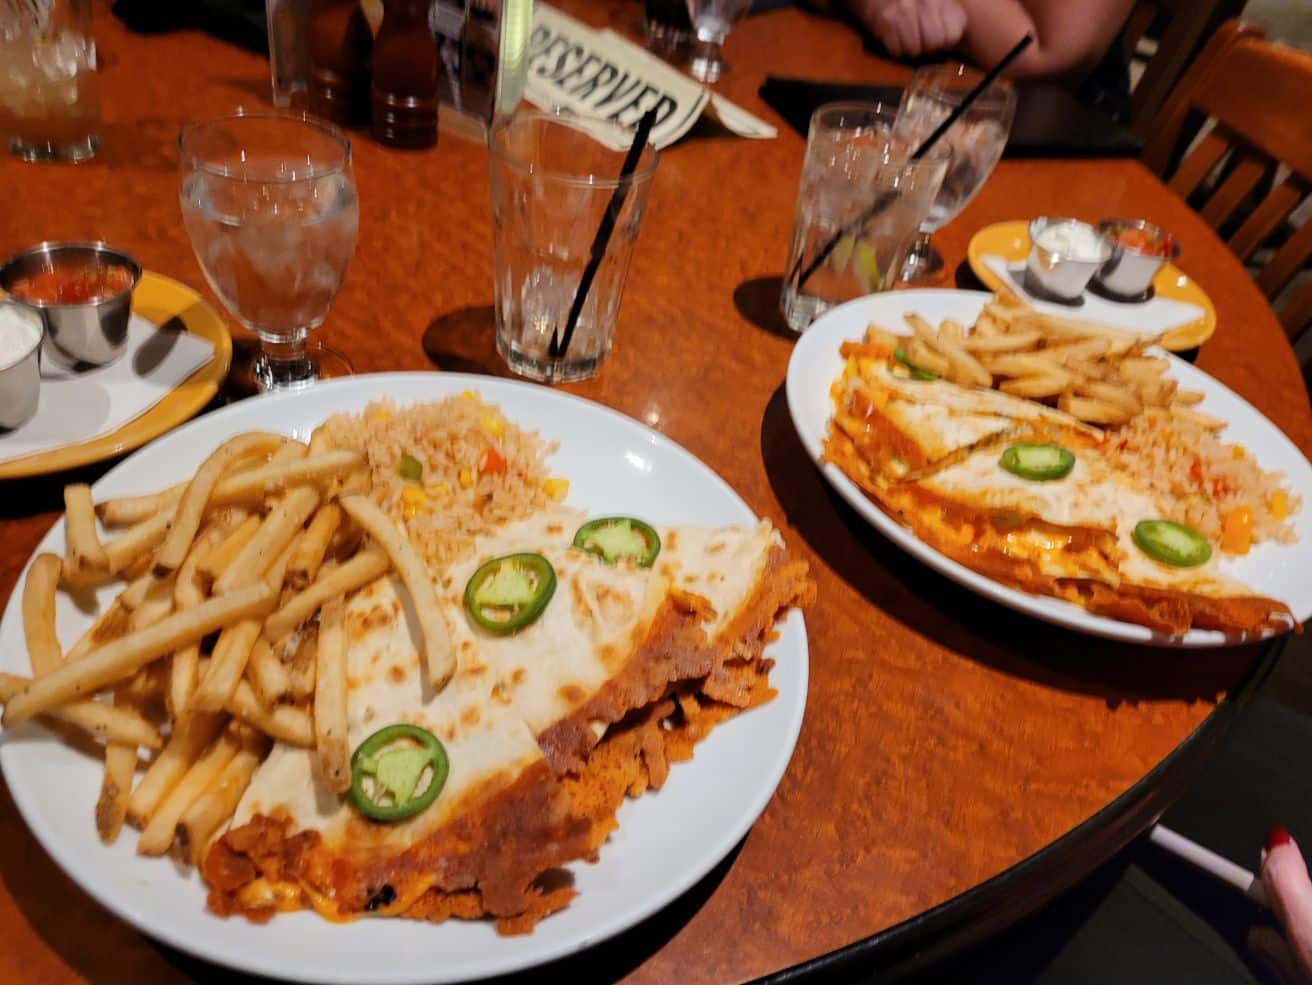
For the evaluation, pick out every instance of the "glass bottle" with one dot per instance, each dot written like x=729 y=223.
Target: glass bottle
x=338 y=42
x=404 y=106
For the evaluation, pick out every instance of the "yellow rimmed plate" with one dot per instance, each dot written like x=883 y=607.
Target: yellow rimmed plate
x=161 y=301
x=1011 y=241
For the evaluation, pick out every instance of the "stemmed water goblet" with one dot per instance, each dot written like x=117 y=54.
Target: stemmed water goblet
x=976 y=141
x=711 y=23
x=270 y=206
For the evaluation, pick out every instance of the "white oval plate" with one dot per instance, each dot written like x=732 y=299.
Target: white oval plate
x=666 y=840
x=1277 y=571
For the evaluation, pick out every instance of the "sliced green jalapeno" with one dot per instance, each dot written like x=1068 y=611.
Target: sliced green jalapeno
x=1172 y=543
x=396 y=758
x=510 y=592
x=614 y=537
x=1038 y=463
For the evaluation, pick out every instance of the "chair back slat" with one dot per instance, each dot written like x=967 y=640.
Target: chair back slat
x=1296 y=315
x=1245 y=171
x=1267 y=217
x=1200 y=162
x=1288 y=260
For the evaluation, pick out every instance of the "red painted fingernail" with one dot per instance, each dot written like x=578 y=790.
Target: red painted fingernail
x=1277 y=837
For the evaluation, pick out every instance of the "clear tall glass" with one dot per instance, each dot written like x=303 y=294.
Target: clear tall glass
x=270 y=206
x=49 y=95
x=976 y=140
x=711 y=23
x=553 y=176
x=854 y=161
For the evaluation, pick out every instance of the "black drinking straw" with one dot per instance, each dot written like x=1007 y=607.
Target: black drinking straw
x=858 y=224
x=560 y=346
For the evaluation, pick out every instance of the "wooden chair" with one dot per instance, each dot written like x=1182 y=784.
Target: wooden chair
x=1184 y=26
x=1259 y=94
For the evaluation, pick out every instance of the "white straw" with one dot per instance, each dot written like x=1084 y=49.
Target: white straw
x=1210 y=862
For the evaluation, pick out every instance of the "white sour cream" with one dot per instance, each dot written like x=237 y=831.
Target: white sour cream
x=1076 y=240
x=20 y=331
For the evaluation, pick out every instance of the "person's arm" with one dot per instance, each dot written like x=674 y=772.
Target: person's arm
x=1287 y=887
x=1069 y=38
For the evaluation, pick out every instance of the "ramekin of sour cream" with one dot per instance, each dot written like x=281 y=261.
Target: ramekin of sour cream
x=21 y=332
x=1064 y=255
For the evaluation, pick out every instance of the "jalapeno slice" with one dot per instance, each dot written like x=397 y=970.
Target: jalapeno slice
x=1172 y=543
x=509 y=592
x=1038 y=463
x=614 y=537
x=396 y=759
x=917 y=372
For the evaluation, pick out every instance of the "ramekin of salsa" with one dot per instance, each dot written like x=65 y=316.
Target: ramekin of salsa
x=1139 y=249
x=72 y=282
x=83 y=292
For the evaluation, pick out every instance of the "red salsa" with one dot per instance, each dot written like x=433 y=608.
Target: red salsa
x=1143 y=241
x=77 y=282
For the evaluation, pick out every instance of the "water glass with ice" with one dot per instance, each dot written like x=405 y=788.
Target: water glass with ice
x=854 y=159
x=553 y=176
x=269 y=203
x=976 y=141
x=49 y=97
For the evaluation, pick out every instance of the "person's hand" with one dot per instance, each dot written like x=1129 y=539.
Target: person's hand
x=1288 y=889
x=908 y=28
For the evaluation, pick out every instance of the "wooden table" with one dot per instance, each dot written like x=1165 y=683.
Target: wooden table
x=946 y=740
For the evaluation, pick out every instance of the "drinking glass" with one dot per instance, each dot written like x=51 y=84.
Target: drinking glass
x=270 y=207
x=854 y=160
x=711 y=22
x=49 y=96
x=666 y=24
x=553 y=176
x=976 y=140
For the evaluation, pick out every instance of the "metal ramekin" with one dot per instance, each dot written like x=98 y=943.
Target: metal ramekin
x=1056 y=274
x=93 y=333
x=20 y=380
x=1128 y=273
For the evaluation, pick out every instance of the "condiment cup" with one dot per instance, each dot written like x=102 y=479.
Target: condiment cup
x=1129 y=272
x=1058 y=273
x=20 y=378
x=92 y=333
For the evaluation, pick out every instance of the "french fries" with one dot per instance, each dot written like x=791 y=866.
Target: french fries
x=439 y=655
x=278 y=530
x=186 y=744
x=330 y=698
x=1097 y=373
x=85 y=554
x=97 y=719
x=128 y=654
x=230 y=620
x=211 y=810
x=286 y=723
x=157 y=836
x=39 y=614
x=191 y=508
x=369 y=564
x=226 y=666
x=313 y=546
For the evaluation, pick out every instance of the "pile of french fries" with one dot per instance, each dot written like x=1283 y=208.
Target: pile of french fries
x=228 y=633
x=1097 y=373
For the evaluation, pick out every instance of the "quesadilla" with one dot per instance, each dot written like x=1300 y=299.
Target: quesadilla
x=546 y=729
x=931 y=453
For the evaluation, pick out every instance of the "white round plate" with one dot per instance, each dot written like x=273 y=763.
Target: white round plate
x=666 y=840
x=1278 y=571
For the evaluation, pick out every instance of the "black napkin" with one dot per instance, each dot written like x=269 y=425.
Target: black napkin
x=1050 y=122
x=240 y=22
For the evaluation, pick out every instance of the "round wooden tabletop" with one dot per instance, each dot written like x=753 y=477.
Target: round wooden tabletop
x=946 y=740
